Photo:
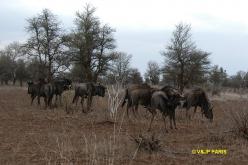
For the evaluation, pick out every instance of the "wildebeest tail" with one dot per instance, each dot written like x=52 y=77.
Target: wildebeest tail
x=125 y=97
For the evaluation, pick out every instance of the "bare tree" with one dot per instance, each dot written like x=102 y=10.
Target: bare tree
x=14 y=52
x=217 y=75
x=197 y=69
x=21 y=71
x=152 y=73
x=46 y=44
x=90 y=44
x=181 y=55
x=237 y=80
x=119 y=68
x=5 y=68
x=134 y=76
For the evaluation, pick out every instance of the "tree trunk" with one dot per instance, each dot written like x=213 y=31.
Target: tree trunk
x=14 y=81
x=95 y=77
x=14 y=78
x=181 y=78
x=21 y=82
x=50 y=71
x=88 y=76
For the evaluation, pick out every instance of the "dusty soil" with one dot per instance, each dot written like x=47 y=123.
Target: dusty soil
x=34 y=135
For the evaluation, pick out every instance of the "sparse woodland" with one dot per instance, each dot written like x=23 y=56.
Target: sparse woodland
x=32 y=134
x=87 y=53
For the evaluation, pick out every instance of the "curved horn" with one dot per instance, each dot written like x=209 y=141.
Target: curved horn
x=181 y=95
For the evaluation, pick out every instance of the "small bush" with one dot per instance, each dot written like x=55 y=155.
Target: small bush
x=216 y=92
x=67 y=101
x=240 y=123
x=149 y=144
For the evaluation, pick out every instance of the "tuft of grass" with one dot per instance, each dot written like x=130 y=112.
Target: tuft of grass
x=149 y=144
x=240 y=123
x=67 y=101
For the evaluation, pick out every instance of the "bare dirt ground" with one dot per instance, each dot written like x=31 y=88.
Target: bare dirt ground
x=33 y=135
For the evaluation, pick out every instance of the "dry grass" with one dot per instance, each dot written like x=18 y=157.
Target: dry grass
x=33 y=135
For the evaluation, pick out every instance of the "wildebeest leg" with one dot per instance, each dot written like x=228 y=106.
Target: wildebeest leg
x=82 y=100
x=202 y=112
x=153 y=111
x=60 y=100
x=174 y=118
x=88 y=104
x=164 y=117
x=38 y=99
x=128 y=106
x=45 y=100
x=75 y=98
x=134 y=109
x=171 y=117
x=82 y=104
x=50 y=100
x=32 y=98
x=195 y=110
x=187 y=113
x=56 y=99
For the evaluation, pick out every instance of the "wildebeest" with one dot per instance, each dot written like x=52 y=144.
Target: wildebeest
x=137 y=94
x=88 y=90
x=33 y=90
x=141 y=94
x=166 y=102
x=59 y=86
x=47 y=91
x=198 y=97
x=41 y=89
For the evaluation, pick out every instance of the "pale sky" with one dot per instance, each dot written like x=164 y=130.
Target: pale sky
x=144 y=27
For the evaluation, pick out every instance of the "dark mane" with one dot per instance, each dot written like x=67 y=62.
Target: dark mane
x=170 y=91
x=167 y=87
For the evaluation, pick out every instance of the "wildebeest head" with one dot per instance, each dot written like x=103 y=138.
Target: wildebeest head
x=204 y=103
x=173 y=94
x=208 y=112
x=170 y=91
x=100 y=90
x=29 y=85
x=42 y=81
x=67 y=84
